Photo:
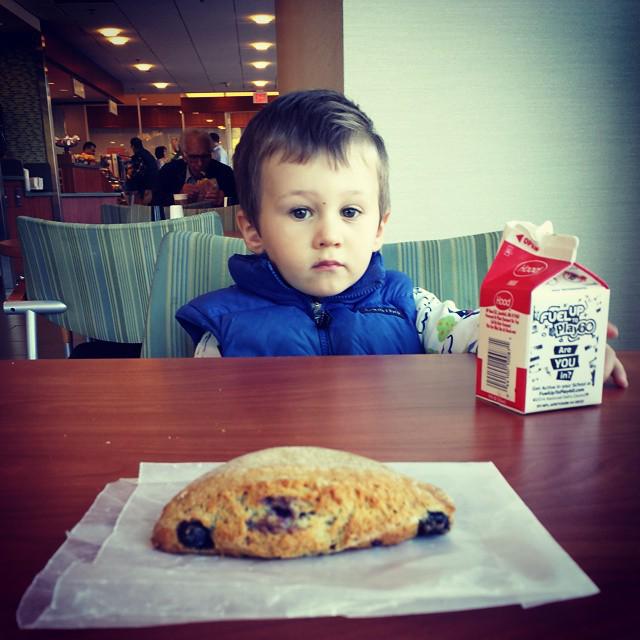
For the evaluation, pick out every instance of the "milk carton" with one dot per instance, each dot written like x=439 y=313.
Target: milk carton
x=543 y=324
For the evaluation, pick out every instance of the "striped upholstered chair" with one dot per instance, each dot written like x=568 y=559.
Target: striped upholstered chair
x=452 y=268
x=101 y=272
x=190 y=264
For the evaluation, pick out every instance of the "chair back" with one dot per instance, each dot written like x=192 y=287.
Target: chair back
x=189 y=264
x=121 y=214
x=102 y=272
x=452 y=268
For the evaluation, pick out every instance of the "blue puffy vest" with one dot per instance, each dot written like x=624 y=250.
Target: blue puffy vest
x=264 y=316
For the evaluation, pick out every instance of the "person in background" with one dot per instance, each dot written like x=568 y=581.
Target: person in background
x=313 y=178
x=87 y=155
x=142 y=173
x=160 y=154
x=219 y=152
x=198 y=174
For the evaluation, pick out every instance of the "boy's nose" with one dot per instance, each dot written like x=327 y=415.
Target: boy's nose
x=328 y=233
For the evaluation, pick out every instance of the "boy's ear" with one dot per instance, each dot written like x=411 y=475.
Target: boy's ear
x=249 y=232
x=377 y=245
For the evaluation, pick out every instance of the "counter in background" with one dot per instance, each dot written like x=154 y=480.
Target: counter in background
x=85 y=207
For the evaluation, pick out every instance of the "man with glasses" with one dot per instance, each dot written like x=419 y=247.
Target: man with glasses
x=197 y=174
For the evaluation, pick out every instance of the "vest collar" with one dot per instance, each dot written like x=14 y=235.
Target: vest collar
x=257 y=274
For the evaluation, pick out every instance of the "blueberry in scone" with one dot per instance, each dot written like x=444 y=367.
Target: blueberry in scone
x=288 y=502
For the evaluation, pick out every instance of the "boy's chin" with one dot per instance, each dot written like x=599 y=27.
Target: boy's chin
x=324 y=291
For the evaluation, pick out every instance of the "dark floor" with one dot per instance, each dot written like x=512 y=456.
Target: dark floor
x=13 y=344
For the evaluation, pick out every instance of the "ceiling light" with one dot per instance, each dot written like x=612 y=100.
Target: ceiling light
x=209 y=120
x=261 y=46
x=159 y=104
x=143 y=66
x=142 y=99
x=119 y=40
x=195 y=113
x=260 y=83
x=160 y=85
x=52 y=83
x=260 y=64
x=63 y=89
x=112 y=141
x=262 y=18
x=110 y=32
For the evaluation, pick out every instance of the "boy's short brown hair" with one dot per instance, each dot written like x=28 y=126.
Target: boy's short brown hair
x=298 y=126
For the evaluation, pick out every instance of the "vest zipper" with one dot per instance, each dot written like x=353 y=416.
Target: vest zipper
x=322 y=321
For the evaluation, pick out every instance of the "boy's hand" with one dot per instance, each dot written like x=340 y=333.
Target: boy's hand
x=612 y=366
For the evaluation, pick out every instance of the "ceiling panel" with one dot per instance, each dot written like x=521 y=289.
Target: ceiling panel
x=196 y=45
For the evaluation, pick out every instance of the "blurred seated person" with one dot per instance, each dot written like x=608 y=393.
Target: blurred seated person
x=198 y=174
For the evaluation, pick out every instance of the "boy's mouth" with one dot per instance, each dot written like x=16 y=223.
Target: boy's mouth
x=327 y=265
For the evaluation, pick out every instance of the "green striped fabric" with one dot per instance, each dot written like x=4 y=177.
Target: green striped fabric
x=102 y=272
x=120 y=214
x=452 y=268
x=189 y=264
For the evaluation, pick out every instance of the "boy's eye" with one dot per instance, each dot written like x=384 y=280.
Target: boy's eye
x=350 y=212
x=301 y=213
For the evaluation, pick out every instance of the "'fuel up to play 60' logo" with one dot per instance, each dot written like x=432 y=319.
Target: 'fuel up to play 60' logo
x=568 y=322
x=571 y=324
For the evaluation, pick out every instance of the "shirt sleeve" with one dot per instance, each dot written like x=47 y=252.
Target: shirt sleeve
x=442 y=327
x=208 y=347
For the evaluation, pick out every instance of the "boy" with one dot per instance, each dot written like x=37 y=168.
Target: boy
x=312 y=177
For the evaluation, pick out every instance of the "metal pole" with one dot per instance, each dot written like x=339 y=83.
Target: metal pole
x=228 y=136
x=32 y=335
x=139 y=117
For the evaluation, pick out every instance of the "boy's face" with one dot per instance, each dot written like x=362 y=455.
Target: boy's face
x=319 y=224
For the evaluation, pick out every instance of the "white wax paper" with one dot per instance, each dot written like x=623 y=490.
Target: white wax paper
x=107 y=574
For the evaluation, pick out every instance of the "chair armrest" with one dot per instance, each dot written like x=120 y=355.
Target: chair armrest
x=29 y=308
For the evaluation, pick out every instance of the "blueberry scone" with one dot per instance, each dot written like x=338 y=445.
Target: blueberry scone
x=288 y=502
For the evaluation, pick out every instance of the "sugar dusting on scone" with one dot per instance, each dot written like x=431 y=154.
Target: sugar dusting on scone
x=288 y=502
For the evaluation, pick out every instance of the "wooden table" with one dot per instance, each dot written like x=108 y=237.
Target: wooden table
x=69 y=427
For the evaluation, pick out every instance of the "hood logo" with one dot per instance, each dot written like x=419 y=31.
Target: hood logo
x=530 y=268
x=527 y=242
x=503 y=300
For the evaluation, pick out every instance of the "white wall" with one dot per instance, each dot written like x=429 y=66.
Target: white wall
x=509 y=109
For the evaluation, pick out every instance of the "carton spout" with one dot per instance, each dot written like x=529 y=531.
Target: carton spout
x=541 y=240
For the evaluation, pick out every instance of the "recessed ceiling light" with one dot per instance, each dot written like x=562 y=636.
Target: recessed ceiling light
x=160 y=85
x=209 y=120
x=119 y=40
x=112 y=141
x=260 y=83
x=261 y=46
x=110 y=32
x=52 y=83
x=195 y=113
x=142 y=99
x=143 y=66
x=260 y=64
x=159 y=104
x=63 y=89
x=262 y=18
x=221 y=126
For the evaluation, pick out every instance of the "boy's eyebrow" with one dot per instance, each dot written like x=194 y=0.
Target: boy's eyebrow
x=310 y=192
